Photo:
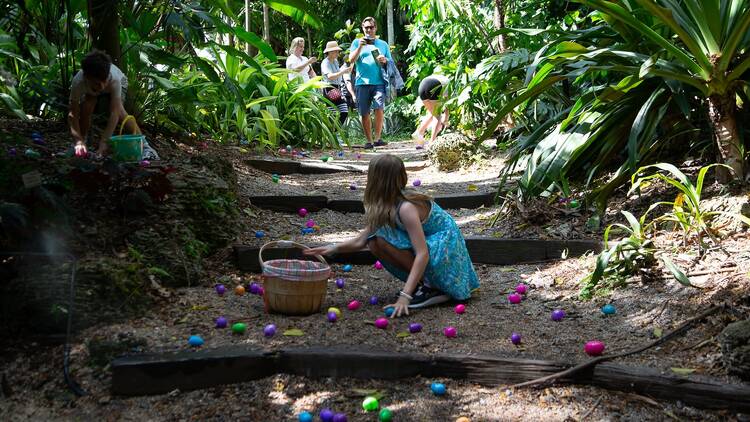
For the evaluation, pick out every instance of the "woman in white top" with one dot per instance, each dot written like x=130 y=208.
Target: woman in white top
x=298 y=63
x=333 y=74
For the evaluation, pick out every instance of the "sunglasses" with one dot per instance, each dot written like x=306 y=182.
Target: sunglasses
x=368 y=27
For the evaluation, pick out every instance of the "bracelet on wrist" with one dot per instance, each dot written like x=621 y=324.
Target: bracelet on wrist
x=406 y=295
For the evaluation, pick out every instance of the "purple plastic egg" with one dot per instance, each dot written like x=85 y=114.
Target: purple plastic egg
x=340 y=283
x=269 y=330
x=514 y=298
x=417 y=182
x=339 y=417
x=221 y=322
x=450 y=332
x=302 y=212
x=381 y=323
x=353 y=187
x=332 y=317
x=374 y=300
x=254 y=288
x=220 y=289
x=310 y=224
x=521 y=289
x=515 y=338
x=378 y=265
x=12 y=152
x=145 y=163
x=326 y=415
x=558 y=315
x=415 y=327
x=261 y=291
x=594 y=348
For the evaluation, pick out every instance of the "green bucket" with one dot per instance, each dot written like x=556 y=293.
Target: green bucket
x=127 y=148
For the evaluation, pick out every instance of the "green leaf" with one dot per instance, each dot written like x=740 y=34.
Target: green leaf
x=658 y=332
x=676 y=272
x=256 y=41
x=294 y=332
x=403 y=334
x=682 y=371
x=207 y=69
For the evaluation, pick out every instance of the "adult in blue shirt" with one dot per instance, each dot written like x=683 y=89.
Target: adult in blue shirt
x=369 y=53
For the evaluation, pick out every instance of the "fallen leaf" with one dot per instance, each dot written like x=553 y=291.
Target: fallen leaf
x=199 y=308
x=294 y=332
x=658 y=332
x=683 y=371
x=402 y=334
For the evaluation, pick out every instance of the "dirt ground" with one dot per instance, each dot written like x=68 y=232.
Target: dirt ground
x=645 y=310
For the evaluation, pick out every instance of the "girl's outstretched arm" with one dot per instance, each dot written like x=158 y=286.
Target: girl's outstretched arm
x=409 y=214
x=352 y=245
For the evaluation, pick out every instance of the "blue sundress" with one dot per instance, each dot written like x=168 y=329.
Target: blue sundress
x=450 y=269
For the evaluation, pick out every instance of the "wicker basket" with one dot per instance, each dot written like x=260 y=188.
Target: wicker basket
x=293 y=286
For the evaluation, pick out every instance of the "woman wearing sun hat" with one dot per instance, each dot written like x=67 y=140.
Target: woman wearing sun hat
x=333 y=74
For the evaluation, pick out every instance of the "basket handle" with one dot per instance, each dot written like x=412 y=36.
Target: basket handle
x=128 y=117
x=284 y=243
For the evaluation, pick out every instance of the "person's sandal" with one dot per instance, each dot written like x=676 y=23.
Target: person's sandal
x=380 y=143
x=368 y=145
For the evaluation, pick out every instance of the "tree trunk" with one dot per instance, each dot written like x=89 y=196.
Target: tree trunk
x=389 y=17
x=722 y=115
x=499 y=23
x=104 y=28
x=248 y=47
x=266 y=23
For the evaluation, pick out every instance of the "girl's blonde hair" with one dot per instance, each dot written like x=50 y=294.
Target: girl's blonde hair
x=386 y=187
x=295 y=42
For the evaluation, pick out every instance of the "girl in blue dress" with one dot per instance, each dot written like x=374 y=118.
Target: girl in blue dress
x=414 y=239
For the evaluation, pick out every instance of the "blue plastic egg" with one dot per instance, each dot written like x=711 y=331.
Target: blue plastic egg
x=608 y=309
x=195 y=341
x=259 y=234
x=389 y=311
x=438 y=388
x=305 y=417
x=347 y=268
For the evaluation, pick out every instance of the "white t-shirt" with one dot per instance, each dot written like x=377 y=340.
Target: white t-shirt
x=293 y=62
x=327 y=67
x=116 y=83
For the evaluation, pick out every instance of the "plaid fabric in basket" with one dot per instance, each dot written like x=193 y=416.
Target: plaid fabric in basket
x=296 y=270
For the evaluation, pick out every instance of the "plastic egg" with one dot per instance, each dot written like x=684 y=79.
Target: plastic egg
x=145 y=163
x=460 y=308
x=450 y=332
x=472 y=188
x=437 y=388
x=594 y=348
x=269 y=330
x=352 y=187
x=275 y=178
x=254 y=288
x=305 y=417
x=340 y=283
x=359 y=156
x=340 y=153
x=195 y=341
x=515 y=338
x=221 y=322
x=574 y=203
x=521 y=289
x=389 y=311
x=332 y=316
x=463 y=419
x=335 y=311
x=259 y=234
x=385 y=415
x=514 y=298
x=370 y=404
x=417 y=182
x=220 y=289
x=289 y=148
x=347 y=268
x=608 y=309
x=302 y=212
x=353 y=305
x=307 y=230
x=381 y=323
x=239 y=328
x=310 y=223
x=374 y=300
x=12 y=152
x=415 y=327
x=378 y=265
x=261 y=291
x=339 y=417
x=558 y=315
x=239 y=290
x=326 y=415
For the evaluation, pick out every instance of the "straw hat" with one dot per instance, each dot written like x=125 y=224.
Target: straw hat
x=332 y=46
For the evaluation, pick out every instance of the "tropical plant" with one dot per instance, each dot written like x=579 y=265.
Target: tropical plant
x=686 y=210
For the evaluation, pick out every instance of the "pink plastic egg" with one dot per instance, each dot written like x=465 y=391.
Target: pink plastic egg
x=450 y=332
x=302 y=212
x=378 y=265
x=460 y=308
x=353 y=305
x=521 y=289
x=514 y=298
x=381 y=323
x=594 y=348
x=310 y=224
